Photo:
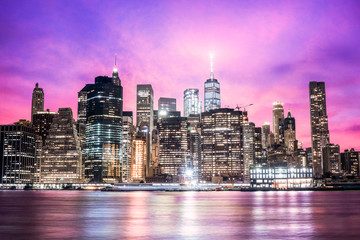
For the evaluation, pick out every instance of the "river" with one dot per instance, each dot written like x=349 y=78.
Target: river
x=179 y=215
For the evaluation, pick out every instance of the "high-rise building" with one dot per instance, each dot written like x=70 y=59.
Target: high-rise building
x=41 y=123
x=167 y=104
x=194 y=144
x=104 y=109
x=173 y=140
x=319 y=124
x=158 y=114
x=145 y=117
x=61 y=155
x=331 y=159
x=128 y=132
x=265 y=135
x=37 y=103
x=211 y=91
x=17 y=153
x=350 y=160
x=138 y=157
x=278 y=122
x=290 y=133
x=82 y=102
x=309 y=157
x=249 y=148
x=144 y=105
x=222 y=145
x=260 y=153
x=192 y=105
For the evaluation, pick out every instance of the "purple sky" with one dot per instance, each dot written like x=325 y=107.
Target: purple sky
x=264 y=51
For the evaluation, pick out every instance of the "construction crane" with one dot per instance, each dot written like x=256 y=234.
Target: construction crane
x=244 y=107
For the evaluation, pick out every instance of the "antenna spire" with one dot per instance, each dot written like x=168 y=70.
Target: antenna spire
x=211 y=67
x=115 y=58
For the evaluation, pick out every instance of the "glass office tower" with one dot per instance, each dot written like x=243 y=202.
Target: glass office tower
x=104 y=109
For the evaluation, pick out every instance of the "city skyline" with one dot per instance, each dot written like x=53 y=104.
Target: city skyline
x=272 y=62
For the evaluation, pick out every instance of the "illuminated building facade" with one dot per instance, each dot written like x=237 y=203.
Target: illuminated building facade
x=278 y=122
x=319 y=124
x=61 y=155
x=145 y=105
x=167 y=104
x=37 y=103
x=194 y=144
x=192 y=105
x=260 y=153
x=138 y=158
x=158 y=114
x=222 y=145
x=17 y=153
x=211 y=92
x=265 y=130
x=281 y=177
x=290 y=134
x=41 y=123
x=145 y=117
x=128 y=132
x=249 y=147
x=173 y=141
x=350 y=162
x=331 y=159
x=103 y=130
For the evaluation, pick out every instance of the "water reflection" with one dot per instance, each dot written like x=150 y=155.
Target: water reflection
x=282 y=215
x=179 y=215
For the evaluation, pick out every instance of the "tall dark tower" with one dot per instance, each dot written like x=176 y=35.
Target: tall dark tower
x=290 y=133
x=211 y=91
x=319 y=124
x=104 y=111
x=37 y=104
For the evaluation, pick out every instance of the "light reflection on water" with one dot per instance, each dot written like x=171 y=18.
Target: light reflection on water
x=179 y=215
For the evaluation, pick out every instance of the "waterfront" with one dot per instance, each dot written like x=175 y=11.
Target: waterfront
x=178 y=215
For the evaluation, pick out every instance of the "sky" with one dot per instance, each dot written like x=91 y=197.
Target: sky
x=264 y=51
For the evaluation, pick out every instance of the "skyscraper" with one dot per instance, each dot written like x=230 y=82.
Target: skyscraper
x=194 y=144
x=350 y=160
x=331 y=159
x=128 y=131
x=145 y=118
x=290 y=133
x=145 y=106
x=104 y=110
x=265 y=129
x=211 y=91
x=278 y=122
x=37 y=103
x=61 y=155
x=17 y=153
x=167 y=104
x=82 y=102
x=260 y=153
x=138 y=157
x=192 y=105
x=249 y=148
x=319 y=124
x=41 y=123
x=222 y=145
x=173 y=140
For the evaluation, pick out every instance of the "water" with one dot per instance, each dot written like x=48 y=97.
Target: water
x=179 y=215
